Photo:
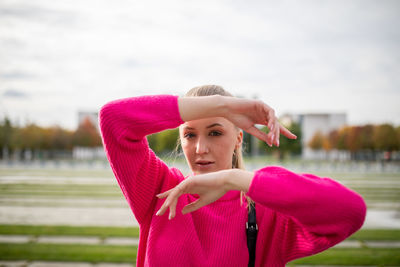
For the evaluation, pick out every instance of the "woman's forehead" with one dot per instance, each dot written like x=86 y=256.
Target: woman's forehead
x=207 y=123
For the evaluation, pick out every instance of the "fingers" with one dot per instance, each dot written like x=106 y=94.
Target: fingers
x=259 y=134
x=164 y=194
x=171 y=201
x=192 y=206
x=277 y=132
x=172 y=209
x=275 y=128
x=272 y=118
x=287 y=133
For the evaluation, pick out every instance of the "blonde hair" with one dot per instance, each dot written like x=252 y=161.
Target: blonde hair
x=237 y=157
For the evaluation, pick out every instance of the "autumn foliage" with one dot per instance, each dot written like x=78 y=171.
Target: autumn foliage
x=383 y=137
x=35 y=138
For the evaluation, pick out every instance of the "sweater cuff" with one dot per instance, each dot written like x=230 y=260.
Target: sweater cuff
x=253 y=192
x=269 y=185
x=179 y=118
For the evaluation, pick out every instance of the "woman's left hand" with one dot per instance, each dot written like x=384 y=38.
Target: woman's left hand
x=210 y=187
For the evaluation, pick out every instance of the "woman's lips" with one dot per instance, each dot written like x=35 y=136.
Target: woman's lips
x=204 y=164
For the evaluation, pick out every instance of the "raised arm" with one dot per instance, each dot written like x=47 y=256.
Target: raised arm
x=124 y=124
x=244 y=113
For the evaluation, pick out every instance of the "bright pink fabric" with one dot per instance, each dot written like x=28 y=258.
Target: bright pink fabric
x=298 y=214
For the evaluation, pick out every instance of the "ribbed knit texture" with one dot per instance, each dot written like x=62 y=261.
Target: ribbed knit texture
x=297 y=214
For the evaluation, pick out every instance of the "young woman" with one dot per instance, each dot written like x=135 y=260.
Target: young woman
x=297 y=214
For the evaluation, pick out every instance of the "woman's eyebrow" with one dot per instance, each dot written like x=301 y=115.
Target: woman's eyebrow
x=214 y=124
x=209 y=126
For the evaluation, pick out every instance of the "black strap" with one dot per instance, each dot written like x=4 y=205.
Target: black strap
x=251 y=231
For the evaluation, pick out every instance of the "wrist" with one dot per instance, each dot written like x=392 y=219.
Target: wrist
x=237 y=179
x=193 y=108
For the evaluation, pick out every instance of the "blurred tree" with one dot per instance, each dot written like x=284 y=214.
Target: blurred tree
x=6 y=131
x=86 y=135
x=247 y=143
x=316 y=141
x=326 y=144
x=292 y=146
x=62 y=139
x=286 y=146
x=385 y=137
x=166 y=140
x=31 y=137
x=398 y=137
x=366 y=137
x=342 y=138
x=152 y=140
x=333 y=139
x=353 y=141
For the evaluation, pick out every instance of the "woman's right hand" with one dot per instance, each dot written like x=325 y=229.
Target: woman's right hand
x=246 y=113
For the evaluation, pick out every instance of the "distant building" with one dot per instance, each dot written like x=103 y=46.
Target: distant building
x=92 y=116
x=310 y=123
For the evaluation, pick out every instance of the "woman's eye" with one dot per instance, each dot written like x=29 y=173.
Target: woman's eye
x=188 y=135
x=215 y=133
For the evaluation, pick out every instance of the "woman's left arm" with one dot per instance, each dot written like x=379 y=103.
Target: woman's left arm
x=321 y=212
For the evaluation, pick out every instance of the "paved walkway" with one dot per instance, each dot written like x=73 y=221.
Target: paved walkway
x=126 y=241
x=90 y=240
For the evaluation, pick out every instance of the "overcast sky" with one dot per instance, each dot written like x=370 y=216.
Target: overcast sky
x=59 y=57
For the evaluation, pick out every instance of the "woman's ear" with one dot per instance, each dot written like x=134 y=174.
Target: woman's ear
x=239 y=139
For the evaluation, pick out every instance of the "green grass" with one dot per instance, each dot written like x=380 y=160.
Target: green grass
x=37 y=230
x=106 y=253
x=376 y=235
x=353 y=256
x=69 y=230
x=65 y=190
x=58 y=252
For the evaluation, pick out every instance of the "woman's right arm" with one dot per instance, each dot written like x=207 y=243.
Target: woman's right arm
x=124 y=124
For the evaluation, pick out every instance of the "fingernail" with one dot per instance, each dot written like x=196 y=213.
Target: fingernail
x=158 y=212
x=278 y=142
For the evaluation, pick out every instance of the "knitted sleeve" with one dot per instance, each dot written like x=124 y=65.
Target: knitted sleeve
x=124 y=124
x=320 y=212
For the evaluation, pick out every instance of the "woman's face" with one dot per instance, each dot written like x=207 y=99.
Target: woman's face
x=208 y=144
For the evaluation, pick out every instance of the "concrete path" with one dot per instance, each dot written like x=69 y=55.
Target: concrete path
x=126 y=241
x=90 y=240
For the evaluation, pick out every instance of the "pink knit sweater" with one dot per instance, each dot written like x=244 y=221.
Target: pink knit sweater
x=297 y=214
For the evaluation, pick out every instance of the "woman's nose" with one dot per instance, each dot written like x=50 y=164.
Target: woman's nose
x=201 y=146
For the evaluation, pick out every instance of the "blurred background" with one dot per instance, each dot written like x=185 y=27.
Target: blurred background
x=330 y=69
